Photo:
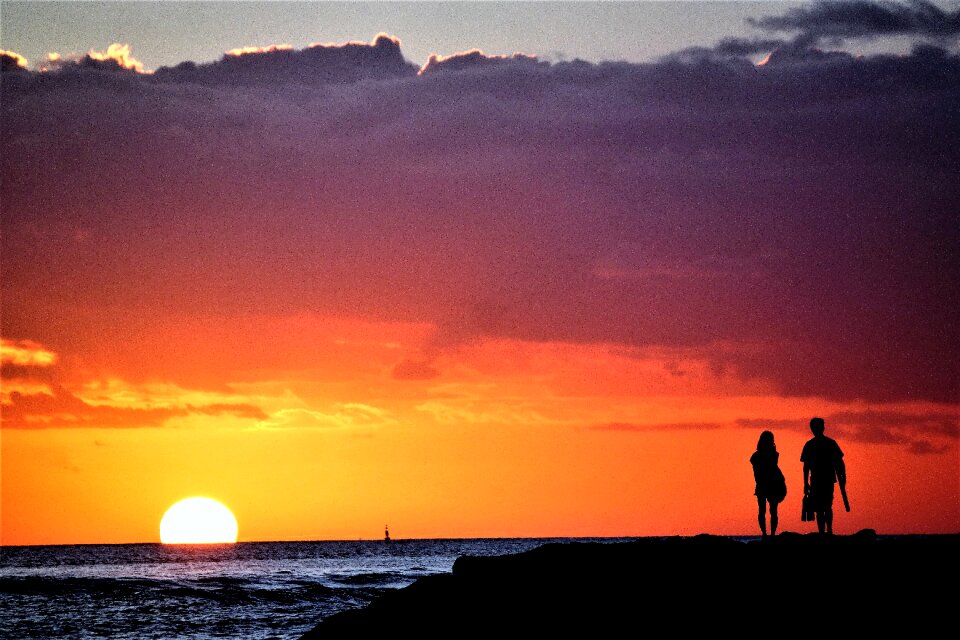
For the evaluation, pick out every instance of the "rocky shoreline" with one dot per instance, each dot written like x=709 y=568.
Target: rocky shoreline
x=861 y=583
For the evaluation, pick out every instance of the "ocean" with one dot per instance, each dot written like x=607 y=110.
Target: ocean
x=247 y=590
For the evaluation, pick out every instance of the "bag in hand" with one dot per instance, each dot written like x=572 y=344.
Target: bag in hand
x=807 y=513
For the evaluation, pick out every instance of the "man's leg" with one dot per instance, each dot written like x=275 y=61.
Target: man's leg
x=828 y=511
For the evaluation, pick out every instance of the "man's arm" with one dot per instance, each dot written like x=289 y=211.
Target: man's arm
x=842 y=479
x=806 y=477
x=841 y=470
x=838 y=465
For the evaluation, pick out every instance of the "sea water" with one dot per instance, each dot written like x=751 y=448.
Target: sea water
x=255 y=590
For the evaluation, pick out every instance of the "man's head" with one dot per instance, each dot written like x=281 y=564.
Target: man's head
x=816 y=425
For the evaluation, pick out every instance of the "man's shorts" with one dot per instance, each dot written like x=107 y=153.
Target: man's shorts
x=821 y=496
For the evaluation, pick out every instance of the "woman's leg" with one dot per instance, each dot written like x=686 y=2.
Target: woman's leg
x=762 y=514
x=773 y=518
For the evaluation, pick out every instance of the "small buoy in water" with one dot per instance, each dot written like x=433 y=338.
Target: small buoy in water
x=386 y=533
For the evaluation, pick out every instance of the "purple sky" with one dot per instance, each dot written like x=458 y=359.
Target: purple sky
x=802 y=212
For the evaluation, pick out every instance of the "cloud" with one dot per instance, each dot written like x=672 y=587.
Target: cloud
x=118 y=54
x=746 y=47
x=473 y=59
x=945 y=424
x=32 y=397
x=772 y=423
x=25 y=353
x=239 y=410
x=482 y=411
x=924 y=433
x=931 y=432
x=26 y=367
x=318 y=64
x=864 y=19
x=414 y=370
x=11 y=61
x=117 y=57
x=243 y=51
x=342 y=416
x=666 y=426
x=10 y=372
x=61 y=409
x=922 y=447
x=819 y=25
x=801 y=214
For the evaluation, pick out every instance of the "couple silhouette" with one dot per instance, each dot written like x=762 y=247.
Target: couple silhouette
x=823 y=468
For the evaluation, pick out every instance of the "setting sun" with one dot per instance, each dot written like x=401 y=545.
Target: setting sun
x=198 y=521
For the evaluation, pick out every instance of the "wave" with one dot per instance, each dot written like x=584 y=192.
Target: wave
x=46 y=586
x=374 y=579
x=224 y=590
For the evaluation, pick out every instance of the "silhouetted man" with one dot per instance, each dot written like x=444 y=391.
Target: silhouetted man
x=822 y=468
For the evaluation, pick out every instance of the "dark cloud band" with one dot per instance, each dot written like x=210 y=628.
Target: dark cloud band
x=866 y=19
x=801 y=214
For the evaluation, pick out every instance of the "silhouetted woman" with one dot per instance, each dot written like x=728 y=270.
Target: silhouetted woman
x=770 y=483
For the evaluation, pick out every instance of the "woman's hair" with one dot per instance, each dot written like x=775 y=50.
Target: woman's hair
x=765 y=443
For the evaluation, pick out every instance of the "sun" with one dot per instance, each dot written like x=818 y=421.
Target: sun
x=198 y=521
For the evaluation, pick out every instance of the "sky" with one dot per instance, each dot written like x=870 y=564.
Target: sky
x=475 y=269
x=167 y=33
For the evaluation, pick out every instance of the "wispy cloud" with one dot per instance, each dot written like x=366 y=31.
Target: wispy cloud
x=928 y=432
x=414 y=370
x=480 y=411
x=61 y=409
x=26 y=353
x=340 y=416
x=664 y=426
x=33 y=397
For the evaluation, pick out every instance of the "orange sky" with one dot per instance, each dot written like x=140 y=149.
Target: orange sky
x=496 y=296
x=511 y=439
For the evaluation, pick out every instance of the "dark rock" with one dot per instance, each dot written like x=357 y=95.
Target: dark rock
x=853 y=584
